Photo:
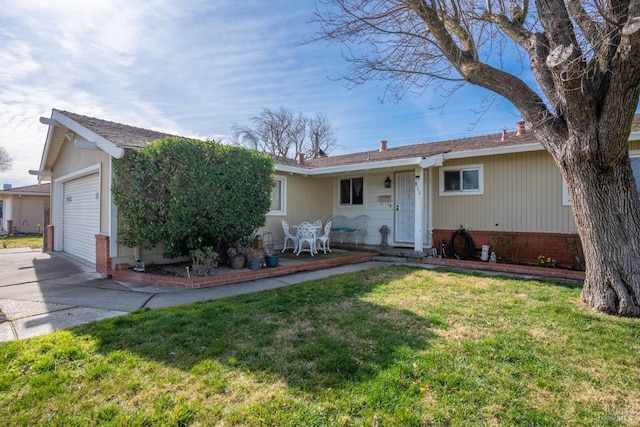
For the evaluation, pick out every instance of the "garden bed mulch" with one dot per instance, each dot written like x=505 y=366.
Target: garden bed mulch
x=528 y=270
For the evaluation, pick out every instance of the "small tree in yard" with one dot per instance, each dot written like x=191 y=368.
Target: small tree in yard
x=188 y=194
x=585 y=57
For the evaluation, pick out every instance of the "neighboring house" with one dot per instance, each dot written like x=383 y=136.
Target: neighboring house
x=25 y=209
x=492 y=185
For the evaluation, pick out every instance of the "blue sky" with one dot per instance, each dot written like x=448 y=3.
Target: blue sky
x=195 y=68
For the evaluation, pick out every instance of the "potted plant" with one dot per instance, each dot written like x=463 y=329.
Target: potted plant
x=271 y=257
x=238 y=254
x=255 y=257
x=205 y=261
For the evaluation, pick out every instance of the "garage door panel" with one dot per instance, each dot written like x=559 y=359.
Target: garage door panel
x=81 y=216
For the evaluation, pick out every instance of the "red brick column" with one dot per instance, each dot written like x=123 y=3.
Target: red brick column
x=49 y=238
x=103 y=261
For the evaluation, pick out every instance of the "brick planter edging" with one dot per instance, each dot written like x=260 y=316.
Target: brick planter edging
x=554 y=273
x=244 y=275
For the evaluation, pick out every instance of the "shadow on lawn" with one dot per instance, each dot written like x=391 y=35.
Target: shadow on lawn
x=321 y=334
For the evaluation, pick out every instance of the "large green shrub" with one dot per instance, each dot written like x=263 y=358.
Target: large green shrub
x=187 y=194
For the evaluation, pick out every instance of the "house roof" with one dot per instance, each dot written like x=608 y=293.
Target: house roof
x=425 y=150
x=476 y=145
x=114 y=137
x=124 y=136
x=91 y=133
x=36 y=190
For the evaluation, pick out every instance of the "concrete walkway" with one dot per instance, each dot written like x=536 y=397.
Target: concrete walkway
x=44 y=291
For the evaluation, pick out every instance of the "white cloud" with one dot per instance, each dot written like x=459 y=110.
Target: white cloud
x=192 y=68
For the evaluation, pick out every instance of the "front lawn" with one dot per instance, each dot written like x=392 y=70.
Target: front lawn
x=33 y=242
x=397 y=346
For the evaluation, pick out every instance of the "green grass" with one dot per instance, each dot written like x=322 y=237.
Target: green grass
x=33 y=242
x=397 y=346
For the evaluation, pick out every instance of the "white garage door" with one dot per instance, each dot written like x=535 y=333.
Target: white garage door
x=81 y=216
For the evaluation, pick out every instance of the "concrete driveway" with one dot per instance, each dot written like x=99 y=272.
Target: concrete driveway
x=44 y=291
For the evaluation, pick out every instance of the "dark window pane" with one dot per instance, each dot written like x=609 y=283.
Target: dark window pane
x=452 y=181
x=345 y=191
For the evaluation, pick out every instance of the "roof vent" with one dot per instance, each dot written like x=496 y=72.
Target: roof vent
x=383 y=146
x=521 y=130
x=504 y=135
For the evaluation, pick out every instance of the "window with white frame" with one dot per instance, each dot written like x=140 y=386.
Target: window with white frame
x=461 y=180
x=278 y=197
x=352 y=191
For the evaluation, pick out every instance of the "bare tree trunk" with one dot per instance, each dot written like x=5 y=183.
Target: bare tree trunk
x=606 y=207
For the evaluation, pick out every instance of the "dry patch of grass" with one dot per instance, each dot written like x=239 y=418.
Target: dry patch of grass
x=13 y=242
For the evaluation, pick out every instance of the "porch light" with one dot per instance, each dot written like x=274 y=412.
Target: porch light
x=387 y=182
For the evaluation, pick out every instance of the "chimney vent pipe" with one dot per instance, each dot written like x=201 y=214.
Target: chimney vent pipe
x=521 y=130
x=383 y=146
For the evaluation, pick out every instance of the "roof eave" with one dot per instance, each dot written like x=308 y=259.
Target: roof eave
x=24 y=193
x=59 y=119
x=45 y=152
x=384 y=164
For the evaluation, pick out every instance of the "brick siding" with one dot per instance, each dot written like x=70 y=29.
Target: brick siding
x=529 y=245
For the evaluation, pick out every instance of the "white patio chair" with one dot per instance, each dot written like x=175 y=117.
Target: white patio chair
x=288 y=236
x=324 y=239
x=318 y=224
x=307 y=234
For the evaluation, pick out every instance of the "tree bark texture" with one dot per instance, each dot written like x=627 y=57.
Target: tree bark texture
x=607 y=212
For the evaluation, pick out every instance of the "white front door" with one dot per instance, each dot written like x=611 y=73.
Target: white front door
x=405 y=207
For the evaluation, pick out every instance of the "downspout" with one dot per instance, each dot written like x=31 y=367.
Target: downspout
x=428 y=163
x=419 y=210
x=113 y=215
x=430 y=211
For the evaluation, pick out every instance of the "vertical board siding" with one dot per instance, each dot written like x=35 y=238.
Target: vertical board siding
x=379 y=213
x=307 y=199
x=522 y=192
x=72 y=159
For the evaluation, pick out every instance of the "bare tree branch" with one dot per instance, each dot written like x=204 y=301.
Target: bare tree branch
x=5 y=160
x=322 y=138
x=282 y=133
